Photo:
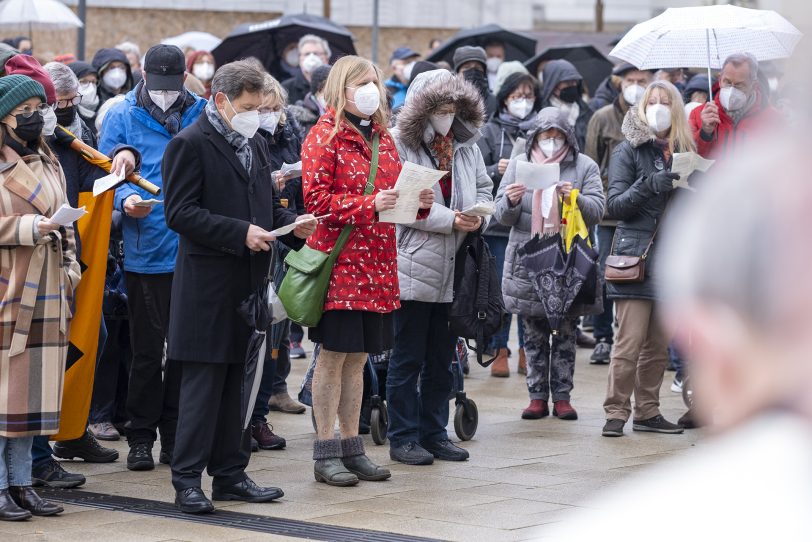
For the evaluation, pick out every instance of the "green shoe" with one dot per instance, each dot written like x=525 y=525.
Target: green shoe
x=333 y=473
x=362 y=467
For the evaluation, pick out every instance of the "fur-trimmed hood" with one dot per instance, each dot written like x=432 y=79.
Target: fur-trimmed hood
x=635 y=129
x=431 y=90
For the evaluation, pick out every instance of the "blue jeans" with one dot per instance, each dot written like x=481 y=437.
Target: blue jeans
x=498 y=246
x=604 y=322
x=274 y=375
x=676 y=361
x=15 y=461
x=423 y=351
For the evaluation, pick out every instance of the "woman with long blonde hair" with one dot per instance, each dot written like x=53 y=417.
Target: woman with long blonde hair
x=641 y=186
x=337 y=159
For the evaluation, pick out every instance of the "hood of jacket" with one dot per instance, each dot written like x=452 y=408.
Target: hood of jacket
x=635 y=129
x=698 y=82
x=103 y=58
x=431 y=90
x=556 y=71
x=548 y=118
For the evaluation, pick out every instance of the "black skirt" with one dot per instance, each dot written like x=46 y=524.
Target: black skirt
x=354 y=331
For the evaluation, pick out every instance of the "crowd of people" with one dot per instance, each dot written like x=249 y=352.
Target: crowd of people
x=172 y=348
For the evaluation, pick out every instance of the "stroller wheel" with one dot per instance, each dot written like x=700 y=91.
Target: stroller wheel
x=379 y=422
x=313 y=420
x=466 y=419
x=688 y=392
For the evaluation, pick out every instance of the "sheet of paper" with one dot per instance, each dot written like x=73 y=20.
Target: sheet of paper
x=294 y=169
x=537 y=176
x=685 y=163
x=107 y=182
x=147 y=203
x=412 y=180
x=482 y=209
x=284 y=230
x=67 y=215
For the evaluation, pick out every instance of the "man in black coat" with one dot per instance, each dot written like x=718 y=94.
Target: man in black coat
x=220 y=199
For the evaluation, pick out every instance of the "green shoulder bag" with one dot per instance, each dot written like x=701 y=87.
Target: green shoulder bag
x=304 y=289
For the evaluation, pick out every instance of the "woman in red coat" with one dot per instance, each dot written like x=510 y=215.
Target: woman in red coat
x=363 y=291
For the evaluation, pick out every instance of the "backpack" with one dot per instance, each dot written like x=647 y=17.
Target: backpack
x=478 y=309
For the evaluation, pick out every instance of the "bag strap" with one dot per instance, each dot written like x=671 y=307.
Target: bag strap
x=370 y=186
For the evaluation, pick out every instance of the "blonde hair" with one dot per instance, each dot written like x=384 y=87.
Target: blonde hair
x=277 y=92
x=680 y=138
x=347 y=72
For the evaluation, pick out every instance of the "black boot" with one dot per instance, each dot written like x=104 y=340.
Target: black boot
x=356 y=461
x=27 y=498
x=85 y=447
x=9 y=510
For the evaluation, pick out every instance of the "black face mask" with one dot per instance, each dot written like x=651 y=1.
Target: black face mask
x=29 y=129
x=569 y=95
x=65 y=115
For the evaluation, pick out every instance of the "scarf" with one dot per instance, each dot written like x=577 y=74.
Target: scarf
x=23 y=150
x=169 y=119
x=739 y=114
x=238 y=142
x=540 y=224
x=572 y=110
x=442 y=147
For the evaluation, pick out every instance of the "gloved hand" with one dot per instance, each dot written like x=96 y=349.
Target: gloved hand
x=662 y=181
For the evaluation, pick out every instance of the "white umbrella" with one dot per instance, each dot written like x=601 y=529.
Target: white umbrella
x=698 y=36
x=199 y=41
x=37 y=15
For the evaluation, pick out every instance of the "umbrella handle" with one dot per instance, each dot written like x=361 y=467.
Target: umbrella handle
x=710 y=79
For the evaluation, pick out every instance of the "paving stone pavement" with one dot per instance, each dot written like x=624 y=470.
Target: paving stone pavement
x=522 y=475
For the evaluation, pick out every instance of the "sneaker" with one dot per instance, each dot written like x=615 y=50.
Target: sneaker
x=563 y=411
x=676 y=386
x=411 y=453
x=445 y=450
x=51 y=474
x=104 y=431
x=87 y=448
x=265 y=437
x=602 y=353
x=536 y=410
x=140 y=456
x=296 y=351
x=613 y=428
x=657 y=424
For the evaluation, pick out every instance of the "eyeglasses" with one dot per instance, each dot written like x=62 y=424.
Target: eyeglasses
x=62 y=104
x=27 y=110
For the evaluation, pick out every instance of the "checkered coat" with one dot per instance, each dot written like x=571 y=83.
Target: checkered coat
x=37 y=280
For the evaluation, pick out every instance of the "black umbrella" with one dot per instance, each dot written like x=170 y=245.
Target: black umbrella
x=561 y=280
x=268 y=39
x=517 y=46
x=593 y=65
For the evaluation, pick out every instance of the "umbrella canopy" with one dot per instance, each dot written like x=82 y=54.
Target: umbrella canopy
x=37 y=15
x=706 y=36
x=199 y=41
x=517 y=46
x=593 y=66
x=267 y=40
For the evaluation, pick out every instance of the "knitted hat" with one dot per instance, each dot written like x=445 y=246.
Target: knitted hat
x=506 y=69
x=318 y=78
x=468 y=53
x=15 y=89
x=6 y=52
x=28 y=65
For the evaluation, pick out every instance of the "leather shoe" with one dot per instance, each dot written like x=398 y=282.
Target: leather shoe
x=445 y=450
x=27 y=498
x=333 y=473
x=362 y=467
x=85 y=447
x=411 y=453
x=192 y=500
x=246 y=491
x=9 y=510
x=282 y=402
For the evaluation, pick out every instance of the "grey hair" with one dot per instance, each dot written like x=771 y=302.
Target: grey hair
x=64 y=80
x=129 y=47
x=234 y=78
x=737 y=59
x=312 y=38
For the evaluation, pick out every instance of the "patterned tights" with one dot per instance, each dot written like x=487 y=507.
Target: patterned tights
x=338 y=386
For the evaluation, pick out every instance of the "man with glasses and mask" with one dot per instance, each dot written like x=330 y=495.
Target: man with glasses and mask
x=150 y=116
x=313 y=52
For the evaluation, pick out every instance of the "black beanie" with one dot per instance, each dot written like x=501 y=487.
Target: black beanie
x=318 y=78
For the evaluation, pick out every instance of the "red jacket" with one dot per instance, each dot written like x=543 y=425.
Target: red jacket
x=365 y=276
x=728 y=137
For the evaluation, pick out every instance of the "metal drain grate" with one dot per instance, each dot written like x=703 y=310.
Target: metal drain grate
x=225 y=518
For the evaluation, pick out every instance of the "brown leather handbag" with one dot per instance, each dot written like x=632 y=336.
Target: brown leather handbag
x=628 y=269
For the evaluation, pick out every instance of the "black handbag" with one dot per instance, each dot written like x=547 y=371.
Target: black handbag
x=478 y=309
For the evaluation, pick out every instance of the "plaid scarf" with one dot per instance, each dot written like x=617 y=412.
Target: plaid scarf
x=238 y=142
x=442 y=147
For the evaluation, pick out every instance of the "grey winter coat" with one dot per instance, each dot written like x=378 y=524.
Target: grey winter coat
x=517 y=289
x=427 y=247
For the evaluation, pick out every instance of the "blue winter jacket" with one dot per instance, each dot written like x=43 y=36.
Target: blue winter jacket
x=150 y=246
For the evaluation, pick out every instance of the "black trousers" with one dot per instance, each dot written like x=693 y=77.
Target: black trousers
x=152 y=394
x=210 y=433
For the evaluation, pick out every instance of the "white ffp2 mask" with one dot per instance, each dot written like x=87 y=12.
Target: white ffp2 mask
x=442 y=123
x=658 y=117
x=367 y=98
x=246 y=123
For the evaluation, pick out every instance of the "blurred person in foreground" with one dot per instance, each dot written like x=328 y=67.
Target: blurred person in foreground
x=742 y=321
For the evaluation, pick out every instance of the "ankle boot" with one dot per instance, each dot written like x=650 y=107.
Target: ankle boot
x=328 y=467
x=522 y=370
x=9 y=510
x=27 y=498
x=499 y=367
x=356 y=461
